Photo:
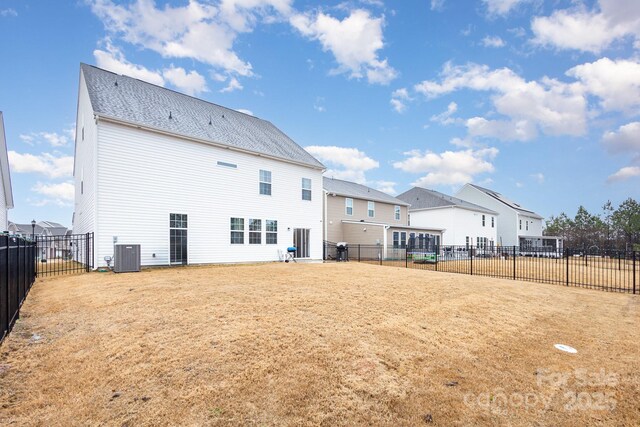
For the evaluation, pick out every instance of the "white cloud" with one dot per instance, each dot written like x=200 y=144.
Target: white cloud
x=625 y=140
x=493 y=41
x=539 y=177
x=61 y=194
x=319 y=105
x=445 y=117
x=449 y=167
x=353 y=41
x=399 y=99
x=437 y=4
x=53 y=138
x=113 y=59
x=191 y=83
x=624 y=174
x=615 y=82
x=501 y=7
x=345 y=163
x=388 y=187
x=8 y=12
x=242 y=110
x=46 y=164
x=200 y=31
x=554 y=107
x=588 y=30
x=233 y=84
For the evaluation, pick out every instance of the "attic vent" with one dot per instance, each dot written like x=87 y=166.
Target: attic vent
x=116 y=83
x=223 y=116
x=209 y=120
x=170 y=116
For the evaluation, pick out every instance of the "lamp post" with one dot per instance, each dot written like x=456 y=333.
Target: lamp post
x=33 y=229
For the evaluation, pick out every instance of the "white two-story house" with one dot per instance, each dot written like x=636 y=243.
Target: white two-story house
x=517 y=226
x=6 y=194
x=190 y=181
x=465 y=224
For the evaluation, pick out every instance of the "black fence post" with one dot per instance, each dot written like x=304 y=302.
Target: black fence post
x=437 y=252
x=567 y=272
x=380 y=254
x=358 y=252
x=634 y=272
x=471 y=255
x=406 y=257
x=514 y=263
x=86 y=256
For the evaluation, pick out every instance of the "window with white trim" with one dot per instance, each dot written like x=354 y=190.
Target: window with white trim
x=271 y=227
x=403 y=239
x=265 y=182
x=237 y=231
x=396 y=212
x=306 y=189
x=520 y=224
x=396 y=239
x=527 y=225
x=348 y=206
x=255 y=231
x=371 y=209
x=493 y=222
x=483 y=219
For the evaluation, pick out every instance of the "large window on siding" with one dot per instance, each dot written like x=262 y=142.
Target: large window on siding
x=178 y=238
x=265 y=182
x=271 y=226
x=306 y=189
x=255 y=231
x=237 y=231
x=348 y=206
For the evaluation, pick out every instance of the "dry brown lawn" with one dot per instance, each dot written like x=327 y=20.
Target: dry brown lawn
x=318 y=344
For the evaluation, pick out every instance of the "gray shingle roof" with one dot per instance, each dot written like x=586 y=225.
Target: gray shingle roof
x=138 y=102
x=358 y=191
x=507 y=202
x=421 y=198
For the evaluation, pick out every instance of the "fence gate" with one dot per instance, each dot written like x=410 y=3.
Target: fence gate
x=67 y=254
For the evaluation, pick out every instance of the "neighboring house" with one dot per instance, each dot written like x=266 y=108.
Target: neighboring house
x=190 y=181
x=6 y=194
x=466 y=224
x=517 y=226
x=357 y=214
x=25 y=230
x=52 y=237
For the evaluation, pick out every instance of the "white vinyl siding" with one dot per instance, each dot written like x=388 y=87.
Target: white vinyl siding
x=144 y=176
x=85 y=167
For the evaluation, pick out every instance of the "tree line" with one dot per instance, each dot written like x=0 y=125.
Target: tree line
x=612 y=229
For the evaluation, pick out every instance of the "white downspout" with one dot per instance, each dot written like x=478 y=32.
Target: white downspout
x=384 y=240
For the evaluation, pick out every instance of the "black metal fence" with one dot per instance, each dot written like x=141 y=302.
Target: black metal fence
x=66 y=254
x=616 y=271
x=17 y=274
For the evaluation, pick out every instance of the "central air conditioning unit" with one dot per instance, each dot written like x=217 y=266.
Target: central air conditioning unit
x=127 y=258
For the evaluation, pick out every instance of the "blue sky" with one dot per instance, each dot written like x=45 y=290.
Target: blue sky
x=539 y=100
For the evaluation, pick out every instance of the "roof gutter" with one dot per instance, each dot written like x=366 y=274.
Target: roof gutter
x=100 y=116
